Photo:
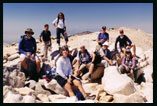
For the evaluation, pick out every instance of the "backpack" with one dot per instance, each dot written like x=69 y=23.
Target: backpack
x=87 y=54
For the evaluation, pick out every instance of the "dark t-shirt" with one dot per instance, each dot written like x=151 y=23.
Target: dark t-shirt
x=123 y=42
x=46 y=35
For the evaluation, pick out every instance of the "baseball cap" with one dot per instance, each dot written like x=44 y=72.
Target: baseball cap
x=105 y=44
x=121 y=31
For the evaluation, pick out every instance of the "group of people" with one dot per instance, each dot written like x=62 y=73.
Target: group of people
x=66 y=75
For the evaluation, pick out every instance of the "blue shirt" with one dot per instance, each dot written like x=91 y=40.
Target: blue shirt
x=104 y=36
x=27 y=45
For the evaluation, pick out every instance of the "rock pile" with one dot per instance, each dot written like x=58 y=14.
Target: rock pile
x=114 y=87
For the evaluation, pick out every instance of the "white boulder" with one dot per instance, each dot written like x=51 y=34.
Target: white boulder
x=114 y=82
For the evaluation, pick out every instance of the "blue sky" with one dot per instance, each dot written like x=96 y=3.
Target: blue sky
x=79 y=17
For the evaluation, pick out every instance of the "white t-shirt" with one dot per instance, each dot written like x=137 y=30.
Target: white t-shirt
x=60 y=23
x=63 y=67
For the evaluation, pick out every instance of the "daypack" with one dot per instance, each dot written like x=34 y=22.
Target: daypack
x=87 y=54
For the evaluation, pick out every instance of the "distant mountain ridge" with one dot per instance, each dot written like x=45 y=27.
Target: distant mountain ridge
x=81 y=33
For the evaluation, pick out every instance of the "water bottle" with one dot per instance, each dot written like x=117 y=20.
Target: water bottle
x=53 y=72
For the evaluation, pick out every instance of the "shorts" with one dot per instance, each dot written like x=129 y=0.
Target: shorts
x=62 y=81
x=24 y=56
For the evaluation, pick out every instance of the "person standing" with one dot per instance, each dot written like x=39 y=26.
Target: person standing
x=59 y=24
x=46 y=39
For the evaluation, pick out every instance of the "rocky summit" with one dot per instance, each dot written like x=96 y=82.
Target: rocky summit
x=111 y=88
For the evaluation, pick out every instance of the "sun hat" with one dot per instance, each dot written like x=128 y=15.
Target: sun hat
x=29 y=30
x=105 y=44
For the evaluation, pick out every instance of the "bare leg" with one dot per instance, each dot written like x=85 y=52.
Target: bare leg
x=68 y=87
x=134 y=49
x=38 y=65
x=124 y=51
x=23 y=63
x=80 y=87
x=91 y=68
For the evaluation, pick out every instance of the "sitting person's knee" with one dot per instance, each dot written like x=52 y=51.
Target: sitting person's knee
x=23 y=59
x=38 y=61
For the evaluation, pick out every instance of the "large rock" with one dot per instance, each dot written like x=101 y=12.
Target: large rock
x=31 y=84
x=12 y=97
x=148 y=72
x=14 y=56
x=133 y=98
x=40 y=90
x=114 y=82
x=147 y=90
x=24 y=91
x=28 y=99
x=90 y=88
x=149 y=56
x=43 y=97
x=16 y=79
x=55 y=87
x=56 y=98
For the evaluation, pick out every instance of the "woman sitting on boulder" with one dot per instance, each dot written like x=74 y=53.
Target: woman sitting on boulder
x=64 y=74
x=128 y=65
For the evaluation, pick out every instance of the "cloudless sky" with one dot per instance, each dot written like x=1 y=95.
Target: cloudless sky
x=79 y=17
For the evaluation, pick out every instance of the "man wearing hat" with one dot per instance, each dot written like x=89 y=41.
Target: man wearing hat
x=124 y=42
x=103 y=57
x=27 y=49
x=128 y=65
x=102 y=37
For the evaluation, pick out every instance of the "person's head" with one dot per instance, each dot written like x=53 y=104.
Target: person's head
x=128 y=53
x=70 y=51
x=64 y=51
x=46 y=26
x=82 y=48
x=105 y=45
x=103 y=29
x=29 y=32
x=61 y=16
x=121 y=32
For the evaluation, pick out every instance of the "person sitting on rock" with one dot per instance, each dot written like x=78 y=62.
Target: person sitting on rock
x=83 y=61
x=64 y=74
x=27 y=49
x=124 y=42
x=102 y=37
x=128 y=64
x=46 y=39
x=103 y=57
